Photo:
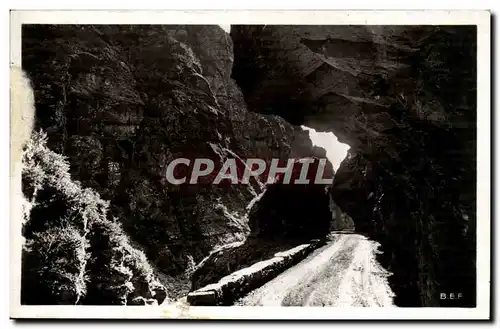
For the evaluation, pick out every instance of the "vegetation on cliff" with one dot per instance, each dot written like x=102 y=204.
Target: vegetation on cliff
x=74 y=253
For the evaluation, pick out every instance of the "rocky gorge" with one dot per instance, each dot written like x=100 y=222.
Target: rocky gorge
x=122 y=101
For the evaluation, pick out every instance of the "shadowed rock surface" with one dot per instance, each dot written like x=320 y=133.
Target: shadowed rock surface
x=297 y=212
x=404 y=99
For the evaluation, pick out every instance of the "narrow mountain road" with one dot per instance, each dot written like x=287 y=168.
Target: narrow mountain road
x=343 y=273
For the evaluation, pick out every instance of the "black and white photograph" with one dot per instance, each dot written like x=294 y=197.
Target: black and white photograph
x=205 y=166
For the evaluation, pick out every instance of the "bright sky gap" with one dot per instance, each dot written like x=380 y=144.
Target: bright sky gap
x=335 y=150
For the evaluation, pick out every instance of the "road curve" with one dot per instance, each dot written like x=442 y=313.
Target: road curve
x=344 y=273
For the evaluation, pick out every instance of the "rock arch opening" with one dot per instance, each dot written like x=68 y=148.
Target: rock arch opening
x=404 y=99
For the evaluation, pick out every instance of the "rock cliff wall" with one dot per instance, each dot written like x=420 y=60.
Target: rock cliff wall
x=404 y=99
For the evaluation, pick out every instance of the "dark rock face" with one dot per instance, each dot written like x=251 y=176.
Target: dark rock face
x=404 y=99
x=123 y=101
x=292 y=211
x=296 y=212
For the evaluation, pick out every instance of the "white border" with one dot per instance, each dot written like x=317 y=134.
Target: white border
x=479 y=18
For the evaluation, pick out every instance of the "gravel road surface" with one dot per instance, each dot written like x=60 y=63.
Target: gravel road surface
x=343 y=273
